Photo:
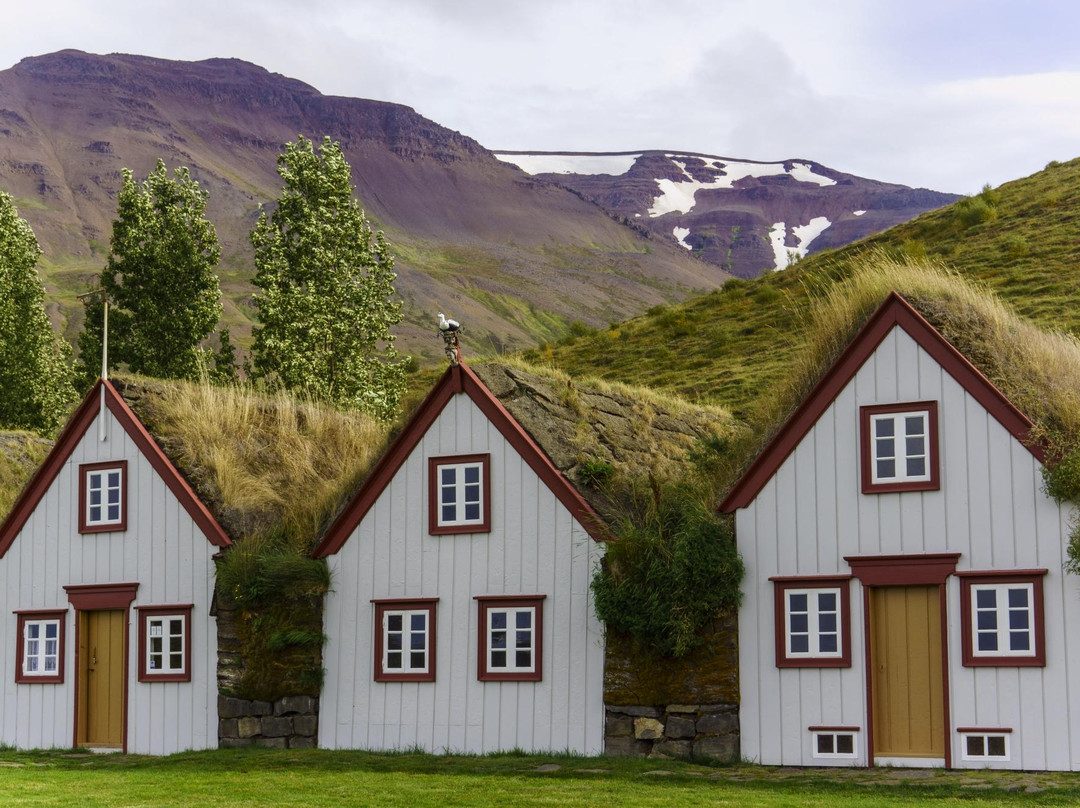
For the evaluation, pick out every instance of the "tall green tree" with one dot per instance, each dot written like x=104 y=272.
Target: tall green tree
x=327 y=289
x=36 y=383
x=163 y=291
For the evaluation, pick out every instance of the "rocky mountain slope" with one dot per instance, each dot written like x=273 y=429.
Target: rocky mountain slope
x=515 y=258
x=744 y=216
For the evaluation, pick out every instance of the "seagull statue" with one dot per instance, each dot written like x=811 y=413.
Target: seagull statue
x=449 y=330
x=448 y=325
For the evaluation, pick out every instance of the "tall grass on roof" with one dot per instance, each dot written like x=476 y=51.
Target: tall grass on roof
x=274 y=470
x=1038 y=370
x=20 y=455
x=267 y=463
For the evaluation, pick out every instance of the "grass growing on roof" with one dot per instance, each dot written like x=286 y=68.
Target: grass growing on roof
x=273 y=469
x=20 y=455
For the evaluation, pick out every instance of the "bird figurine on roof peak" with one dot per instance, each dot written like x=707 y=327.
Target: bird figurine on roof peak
x=449 y=330
x=448 y=325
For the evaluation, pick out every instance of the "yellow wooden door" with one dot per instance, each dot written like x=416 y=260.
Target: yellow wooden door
x=907 y=688
x=101 y=679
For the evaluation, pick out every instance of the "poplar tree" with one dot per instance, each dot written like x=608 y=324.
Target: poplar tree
x=36 y=382
x=160 y=280
x=326 y=281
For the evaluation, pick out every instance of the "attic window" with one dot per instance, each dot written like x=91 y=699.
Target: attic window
x=459 y=498
x=103 y=497
x=899 y=447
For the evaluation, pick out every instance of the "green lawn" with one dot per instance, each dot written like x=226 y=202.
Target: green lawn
x=264 y=777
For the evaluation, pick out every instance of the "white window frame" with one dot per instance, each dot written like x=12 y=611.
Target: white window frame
x=406 y=650
x=166 y=653
x=104 y=488
x=42 y=654
x=899 y=440
x=511 y=648
x=1001 y=611
x=835 y=735
x=459 y=487
x=813 y=618
x=986 y=735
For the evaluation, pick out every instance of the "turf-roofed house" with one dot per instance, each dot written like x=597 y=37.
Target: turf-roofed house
x=460 y=615
x=906 y=598
x=106 y=587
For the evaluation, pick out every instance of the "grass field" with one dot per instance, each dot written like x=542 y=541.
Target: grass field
x=317 y=778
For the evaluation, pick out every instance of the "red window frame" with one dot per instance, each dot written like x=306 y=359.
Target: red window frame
x=781 y=586
x=484 y=525
x=405 y=605
x=175 y=610
x=1037 y=659
x=486 y=603
x=111 y=527
x=25 y=616
x=933 y=460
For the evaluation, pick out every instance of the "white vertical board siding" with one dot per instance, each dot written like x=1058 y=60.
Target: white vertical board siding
x=535 y=546
x=164 y=551
x=990 y=508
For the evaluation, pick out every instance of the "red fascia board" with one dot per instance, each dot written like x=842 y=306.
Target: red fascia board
x=894 y=311
x=72 y=433
x=456 y=379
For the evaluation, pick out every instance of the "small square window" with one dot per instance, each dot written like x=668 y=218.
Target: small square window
x=458 y=496
x=39 y=656
x=165 y=643
x=812 y=622
x=511 y=638
x=1001 y=618
x=103 y=497
x=830 y=742
x=985 y=745
x=405 y=640
x=899 y=447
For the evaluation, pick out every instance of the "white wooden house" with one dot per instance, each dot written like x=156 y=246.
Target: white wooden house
x=460 y=616
x=905 y=602
x=106 y=586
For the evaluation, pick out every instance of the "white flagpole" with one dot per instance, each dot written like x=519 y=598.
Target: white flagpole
x=102 y=431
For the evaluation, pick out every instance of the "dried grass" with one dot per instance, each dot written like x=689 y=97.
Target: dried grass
x=267 y=463
x=20 y=455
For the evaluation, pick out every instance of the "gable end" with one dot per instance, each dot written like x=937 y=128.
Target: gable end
x=893 y=312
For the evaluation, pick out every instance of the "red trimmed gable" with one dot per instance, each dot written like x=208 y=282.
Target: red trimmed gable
x=458 y=379
x=892 y=313
x=77 y=426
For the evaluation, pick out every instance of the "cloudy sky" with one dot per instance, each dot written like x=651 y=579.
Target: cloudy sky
x=948 y=94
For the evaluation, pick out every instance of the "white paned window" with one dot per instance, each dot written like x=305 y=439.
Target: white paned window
x=985 y=746
x=1003 y=618
x=104 y=488
x=900 y=447
x=405 y=641
x=834 y=744
x=41 y=648
x=460 y=494
x=511 y=634
x=812 y=619
x=165 y=636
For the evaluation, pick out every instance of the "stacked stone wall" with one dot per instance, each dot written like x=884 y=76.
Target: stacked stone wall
x=291 y=722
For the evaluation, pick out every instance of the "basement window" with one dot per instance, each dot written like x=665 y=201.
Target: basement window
x=837 y=743
x=985 y=744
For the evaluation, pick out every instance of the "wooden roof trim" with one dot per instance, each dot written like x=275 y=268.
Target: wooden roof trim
x=456 y=379
x=73 y=431
x=894 y=311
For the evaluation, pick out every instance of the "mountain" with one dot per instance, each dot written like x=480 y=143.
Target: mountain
x=744 y=216
x=514 y=258
x=729 y=347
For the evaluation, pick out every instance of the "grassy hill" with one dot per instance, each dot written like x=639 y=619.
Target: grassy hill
x=728 y=347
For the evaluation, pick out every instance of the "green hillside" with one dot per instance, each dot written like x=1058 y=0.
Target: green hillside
x=1022 y=240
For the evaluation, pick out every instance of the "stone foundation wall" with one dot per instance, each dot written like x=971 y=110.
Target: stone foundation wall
x=291 y=722
x=677 y=730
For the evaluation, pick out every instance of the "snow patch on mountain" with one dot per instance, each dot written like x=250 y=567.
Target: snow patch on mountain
x=680 y=234
x=858 y=212
x=804 y=234
x=680 y=196
x=611 y=164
